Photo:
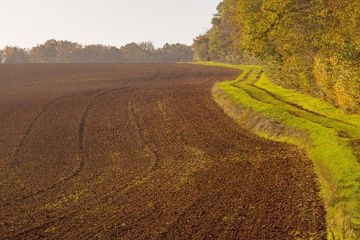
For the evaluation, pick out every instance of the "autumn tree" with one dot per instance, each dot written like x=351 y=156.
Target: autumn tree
x=14 y=55
x=53 y=51
x=201 y=48
x=171 y=53
x=310 y=45
x=100 y=53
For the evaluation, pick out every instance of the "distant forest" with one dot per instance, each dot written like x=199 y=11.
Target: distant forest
x=53 y=51
x=310 y=45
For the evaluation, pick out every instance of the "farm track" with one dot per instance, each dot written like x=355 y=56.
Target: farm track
x=300 y=112
x=298 y=107
x=143 y=152
x=301 y=108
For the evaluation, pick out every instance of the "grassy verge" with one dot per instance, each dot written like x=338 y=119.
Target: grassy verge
x=329 y=134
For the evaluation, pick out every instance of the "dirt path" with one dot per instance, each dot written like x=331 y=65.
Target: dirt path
x=141 y=152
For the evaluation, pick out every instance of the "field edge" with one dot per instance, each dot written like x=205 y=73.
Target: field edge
x=253 y=101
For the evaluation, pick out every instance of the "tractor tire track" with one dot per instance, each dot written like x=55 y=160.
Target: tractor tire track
x=141 y=134
x=246 y=76
x=253 y=84
x=29 y=128
x=81 y=145
x=81 y=130
x=294 y=114
x=298 y=106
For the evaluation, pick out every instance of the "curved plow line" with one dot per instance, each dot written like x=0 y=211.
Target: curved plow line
x=29 y=128
x=81 y=129
x=140 y=132
x=103 y=197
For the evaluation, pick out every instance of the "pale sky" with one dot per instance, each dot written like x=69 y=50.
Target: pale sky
x=26 y=23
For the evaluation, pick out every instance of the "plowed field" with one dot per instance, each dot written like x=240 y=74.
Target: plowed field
x=102 y=151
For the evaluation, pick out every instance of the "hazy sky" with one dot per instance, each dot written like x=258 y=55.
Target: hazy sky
x=26 y=23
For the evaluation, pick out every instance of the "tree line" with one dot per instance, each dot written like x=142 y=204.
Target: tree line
x=309 y=45
x=53 y=51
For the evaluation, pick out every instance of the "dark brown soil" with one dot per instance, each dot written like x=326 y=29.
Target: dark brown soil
x=105 y=151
